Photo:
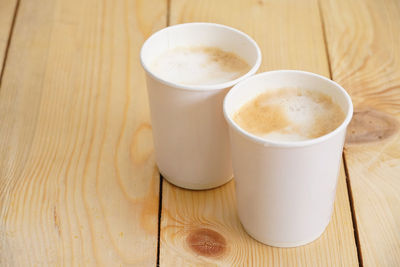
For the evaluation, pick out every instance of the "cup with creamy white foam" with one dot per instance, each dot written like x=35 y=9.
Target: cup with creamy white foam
x=189 y=69
x=287 y=130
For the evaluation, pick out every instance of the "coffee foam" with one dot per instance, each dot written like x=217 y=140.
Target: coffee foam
x=290 y=114
x=199 y=65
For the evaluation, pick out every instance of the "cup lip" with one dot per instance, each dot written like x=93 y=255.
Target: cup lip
x=207 y=87
x=288 y=144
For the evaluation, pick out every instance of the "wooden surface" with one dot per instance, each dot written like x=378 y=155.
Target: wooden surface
x=78 y=181
x=364 y=48
x=79 y=185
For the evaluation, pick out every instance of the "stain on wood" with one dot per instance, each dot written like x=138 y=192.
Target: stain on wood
x=369 y=125
x=206 y=242
x=57 y=221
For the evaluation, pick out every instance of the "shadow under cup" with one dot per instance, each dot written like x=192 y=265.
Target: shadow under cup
x=190 y=134
x=285 y=190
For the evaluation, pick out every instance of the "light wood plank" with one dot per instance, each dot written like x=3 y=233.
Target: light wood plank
x=78 y=182
x=290 y=36
x=364 y=46
x=7 y=8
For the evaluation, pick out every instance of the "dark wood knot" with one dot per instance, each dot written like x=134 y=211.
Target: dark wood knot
x=206 y=242
x=369 y=125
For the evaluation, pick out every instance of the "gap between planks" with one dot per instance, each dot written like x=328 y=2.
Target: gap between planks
x=328 y=58
x=159 y=220
x=10 y=34
x=353 y=212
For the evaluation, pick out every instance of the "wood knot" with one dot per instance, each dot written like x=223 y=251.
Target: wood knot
x=369 y=125
x=206 y=242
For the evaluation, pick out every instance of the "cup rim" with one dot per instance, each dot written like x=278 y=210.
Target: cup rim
x=207 y=87
x=288 y=144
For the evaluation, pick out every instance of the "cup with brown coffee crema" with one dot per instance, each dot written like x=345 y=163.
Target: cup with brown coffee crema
x=287 y=130
x=189 y=69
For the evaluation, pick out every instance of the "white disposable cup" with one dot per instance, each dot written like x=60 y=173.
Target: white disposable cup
x=190 y=134
x=285 y=190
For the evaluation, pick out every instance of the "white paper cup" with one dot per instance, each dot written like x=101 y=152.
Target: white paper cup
x=285 y=190
x=190 y=134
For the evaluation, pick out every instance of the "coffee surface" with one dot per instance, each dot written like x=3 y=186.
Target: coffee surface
x=199 y=65
x=290 y=114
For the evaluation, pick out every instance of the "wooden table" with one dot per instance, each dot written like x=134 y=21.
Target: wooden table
x=78 y=181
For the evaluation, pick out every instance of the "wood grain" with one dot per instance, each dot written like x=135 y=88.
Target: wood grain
x=7 y=8
x=202 y=228
x=364 y=47
x=78 y=182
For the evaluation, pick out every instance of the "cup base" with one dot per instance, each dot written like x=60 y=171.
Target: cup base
x=287 y=244
x=193 y=186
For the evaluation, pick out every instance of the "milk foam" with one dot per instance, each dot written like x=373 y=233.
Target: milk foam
x=199 y=65
x=290 y=114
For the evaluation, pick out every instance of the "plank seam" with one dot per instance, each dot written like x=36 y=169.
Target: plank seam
x=168 y=12
x=328 y=58
x=159 y=219
x=353 y=213
x=9 y=41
